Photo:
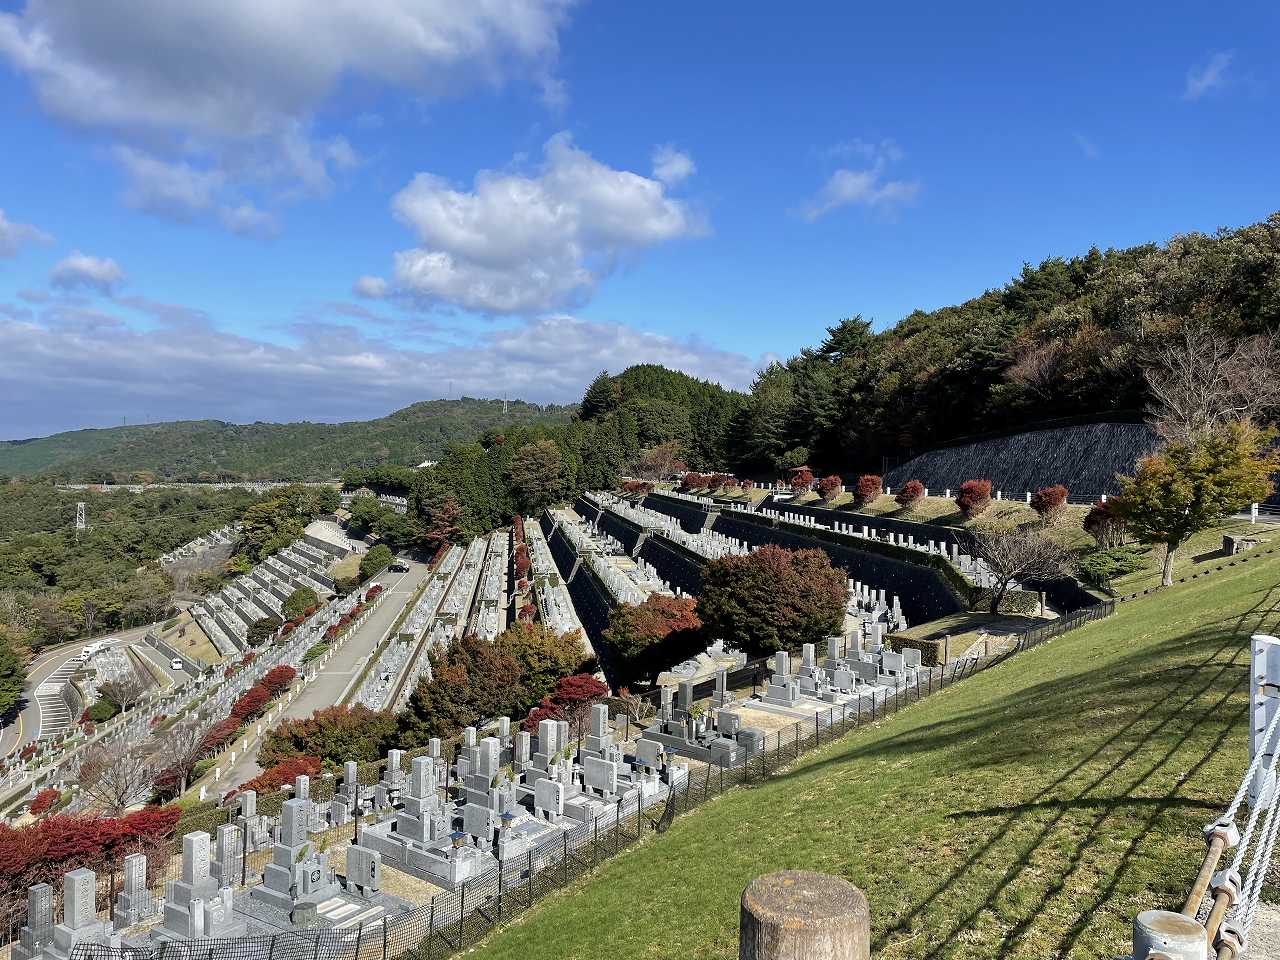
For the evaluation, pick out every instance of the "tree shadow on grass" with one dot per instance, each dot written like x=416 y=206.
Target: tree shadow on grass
x=1168 y=694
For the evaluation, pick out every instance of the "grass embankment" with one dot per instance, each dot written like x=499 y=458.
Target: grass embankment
x=1027 y=812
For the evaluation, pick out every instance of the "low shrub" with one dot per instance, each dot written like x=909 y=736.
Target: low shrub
x=911 y=491
x=1102 y=565
x=829 y=487
x=931 y=651
x=43 y=800
x=974 y=497
x=102 y=711
x=1050 y=502
x=315 y=652
x=867 y=489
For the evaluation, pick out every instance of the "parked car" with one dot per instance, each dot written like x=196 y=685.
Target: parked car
x=175 y=664
x=398 y=566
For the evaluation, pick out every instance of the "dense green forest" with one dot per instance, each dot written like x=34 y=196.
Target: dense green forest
x=1064 y=338
x=55 y=586
x=210 y=450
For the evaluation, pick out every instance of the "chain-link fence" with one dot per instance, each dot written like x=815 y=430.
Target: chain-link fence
x=457 y=919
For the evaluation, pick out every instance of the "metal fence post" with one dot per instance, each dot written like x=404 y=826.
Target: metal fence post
x=462 y=912
x=501 y=872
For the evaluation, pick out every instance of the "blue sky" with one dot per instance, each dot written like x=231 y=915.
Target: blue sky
x=272 y=211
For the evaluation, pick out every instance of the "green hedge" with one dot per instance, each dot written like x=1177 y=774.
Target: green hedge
x=931 y=651
x=1015 y=601
x=102 y=711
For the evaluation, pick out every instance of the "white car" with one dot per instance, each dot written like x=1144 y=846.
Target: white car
x=175 y=664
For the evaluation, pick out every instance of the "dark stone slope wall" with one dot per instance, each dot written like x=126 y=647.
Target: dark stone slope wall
x=1084 y=458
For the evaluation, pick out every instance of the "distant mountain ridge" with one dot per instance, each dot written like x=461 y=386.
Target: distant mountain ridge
x=215 y=450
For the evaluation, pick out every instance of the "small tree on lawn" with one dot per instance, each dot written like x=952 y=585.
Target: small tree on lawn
x=575 y=695
x=1188 y=486
x=1023 y=553
x=867 y=488
x=114 y=781
x=772 y=599
x=1104 y=523
x=829 y=487
x=1050 y=503
x=910 y=492
x=180 y=748
x=801 y=481
x=125 y=690
x=974 y=497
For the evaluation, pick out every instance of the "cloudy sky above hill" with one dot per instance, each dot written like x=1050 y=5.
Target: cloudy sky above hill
x=293 y=210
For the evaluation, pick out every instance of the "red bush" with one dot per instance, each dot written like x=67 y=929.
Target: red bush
x=802 y=480
x=828 y=487
x=639 y=487
x=521 y=561
x=251 y=703
x=1104 y=523
x=273 y=778
x=331 y=633
x=43 y=801
x=546 y=710
x=867 y=489
x=693 y=481
x=28 y=751
x=911 y=491
x=219 y=735
x=1050 y=502
x=974 y=497
x=372 y=592
x=578 y=688
x=277 y=679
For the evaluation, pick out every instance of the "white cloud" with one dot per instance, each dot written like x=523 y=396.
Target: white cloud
x=1208 y=76
x=73 y=366
x=868 y=186
x=14 y=236
x=248 y=221
x=518 y=243
x=671 y=166
x=80 y=271
x=371 y=288
x=237 y=83
x=170 y=189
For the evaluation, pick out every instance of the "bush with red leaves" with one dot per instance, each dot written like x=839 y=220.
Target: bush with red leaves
x=693 y=481
x=277 y=679
x=974 y=497
x=251 y=703
x=801 y=481
x=638 y=487
x=867 y=488
x=28 y=751
x=43 y=801
x=219 y=735
x=1104 y=523
x=911 y=491
x=273 y=778
x=828 y=487
x=372 y=592
x=1050 y=502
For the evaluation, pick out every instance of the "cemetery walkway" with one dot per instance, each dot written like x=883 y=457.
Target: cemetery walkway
x=328 y=688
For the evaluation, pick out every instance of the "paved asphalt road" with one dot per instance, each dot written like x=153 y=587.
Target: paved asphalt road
x=326 y=689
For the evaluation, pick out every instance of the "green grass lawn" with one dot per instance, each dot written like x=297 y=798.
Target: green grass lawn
x=1202 y=552
x=1029 y=811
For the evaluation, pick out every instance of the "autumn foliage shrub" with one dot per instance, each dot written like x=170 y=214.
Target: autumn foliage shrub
x=828 y=487
x=274 y=777
x=911 y=491
x=569 y=701
x=251 y=704
x=1050 y=502
x=974 y=497
x=802 y=480
x=1104 y=523
x=867 y=489
x=219 y=735
x=49 y=847
x=277 y=679
x=43 y=801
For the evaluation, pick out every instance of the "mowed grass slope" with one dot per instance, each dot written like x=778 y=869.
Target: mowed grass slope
x=1027 y=812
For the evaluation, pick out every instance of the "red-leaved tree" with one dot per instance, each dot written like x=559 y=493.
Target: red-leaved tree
x=1050 y=503
x=276 y=680
x=828 y=487
x=910 y=492
x=274 y=777
x=974 y=497
x=1104 y=523
x=801 y=480
x=867 y=489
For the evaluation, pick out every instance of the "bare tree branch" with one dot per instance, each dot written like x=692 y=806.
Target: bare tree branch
x=115 y=781
x=1200 y=380
x=1018 y=555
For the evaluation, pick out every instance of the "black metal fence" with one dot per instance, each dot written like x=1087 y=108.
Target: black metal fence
x=456 y=920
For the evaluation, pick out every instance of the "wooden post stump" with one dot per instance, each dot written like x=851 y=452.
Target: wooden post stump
x=802 y=915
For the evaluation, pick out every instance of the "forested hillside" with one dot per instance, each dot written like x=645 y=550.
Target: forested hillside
x=209 y=450
x=1064 y=338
